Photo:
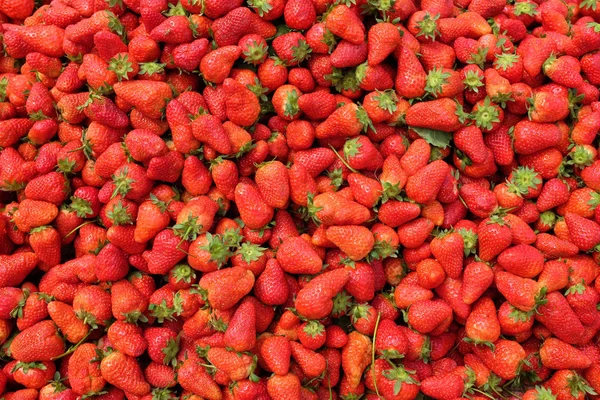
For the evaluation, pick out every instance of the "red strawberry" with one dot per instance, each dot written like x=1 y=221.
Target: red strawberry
x=424 y=185
x=125 y=373
x=383 y=39
x=342 y=22
x=37 y=343
x=448 y=249
x=154 y=99
x=441 y=114
x=314 y=301
x=584 y=233
x=15 y=268
x=356 y=241
x=242 y=105
x=226 y=287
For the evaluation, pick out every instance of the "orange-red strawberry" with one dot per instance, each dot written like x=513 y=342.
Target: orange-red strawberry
x=241 y=331
x=346 y=121
x=504 y=360
x=314 y=301
x=356 y=357
x=411 y=77
x=356 y=241
x=448 y=249
x=427 y=316
x=39 y=342
x=254 y=211
x=560 y=319
x=281 y=387
x=584 y=233
x=34 y=213
x=216 y=65
x=46 y=244
x=63 y=315
x=477 y=278
x=482 y=325
x=296 y=256
x=342 y=22
x=84 y=370
x=556 y=354
x=383 y=39
x=15 y=268
x=243 y=107
x=151 y=219
x=148 y=97
x=564 y=70
x=226 y=287
x=124 y=372
x=424 y=185
x=523 y=293
x=522 y=260
x=440 y=114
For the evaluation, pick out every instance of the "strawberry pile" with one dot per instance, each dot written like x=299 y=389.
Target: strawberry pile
x=299 y=199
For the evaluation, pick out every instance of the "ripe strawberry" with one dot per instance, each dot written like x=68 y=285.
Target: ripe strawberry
x=523 y=293
x=441 y=114
x=556 y=354
x=564 y=70
x=152 y=103
x=125 y=373
x=355 y=357
x=314 y=301
x=424 y=185
x=356 y=241
x=254 y=211
x=583 y=232
x=39 y=342
x=226 y=287
x=342 y=22
x=46 y=244
x=383 y=39
x=448 y=248
x=504 y=360
x=482 y=325
x=427 y=316
x=16 y=267
x=242 y=105
x=299 y=14
x=282 y=387
x=570 y=329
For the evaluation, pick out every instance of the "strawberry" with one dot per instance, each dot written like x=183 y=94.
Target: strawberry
x=441 y=114
x=16 y=267
x=447 y=248
x=564 y=70
x=299 y=14
x=297 y=256
x=584 y=233
x=557 y=308
x=241 y=332
x=356 y=241
x=342 y=22
x=482 y=325
x=523 y=293
x=254 y=211
x=314 y=301
x=154 y=100
x=282 y=387
x=356 y=357
x=242 y=105
x=124 y=372
x=427 y=316
x=504 y=360
x=383 y=39
x=39 y=342
x=226 y=287
x=556 y=354
x=424 y=185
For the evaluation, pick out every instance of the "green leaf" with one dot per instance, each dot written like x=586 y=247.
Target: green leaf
x=434 y=137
